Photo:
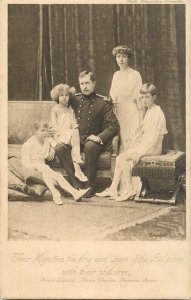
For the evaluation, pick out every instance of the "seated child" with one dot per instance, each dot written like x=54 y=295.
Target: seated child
x=35 y=151
x=64 y=124
x=150 y=143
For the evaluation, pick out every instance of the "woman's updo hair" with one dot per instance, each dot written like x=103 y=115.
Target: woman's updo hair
x=123 y=50
x=148 y=88
x=61 y=88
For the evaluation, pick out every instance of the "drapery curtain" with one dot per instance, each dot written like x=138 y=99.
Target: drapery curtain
x=79 y=37
x=49 y=44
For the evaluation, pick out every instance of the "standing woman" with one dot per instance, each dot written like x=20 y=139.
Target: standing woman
x=124 y=92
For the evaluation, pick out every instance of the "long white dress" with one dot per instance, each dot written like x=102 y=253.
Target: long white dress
x=125 y=87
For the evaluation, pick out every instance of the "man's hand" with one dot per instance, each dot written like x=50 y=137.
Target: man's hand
x=51 y=154
x=94 y=138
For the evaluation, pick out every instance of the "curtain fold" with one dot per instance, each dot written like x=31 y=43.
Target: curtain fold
x=23 y=55
x=168 y=72
x=67 y=39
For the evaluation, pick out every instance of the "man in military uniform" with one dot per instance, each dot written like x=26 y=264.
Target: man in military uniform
x=97 y=126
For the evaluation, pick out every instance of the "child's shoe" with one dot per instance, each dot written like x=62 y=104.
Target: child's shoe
x=80 y=194
x=57 y=200
x=78 y=160
x=80 y=175
x=128 y=196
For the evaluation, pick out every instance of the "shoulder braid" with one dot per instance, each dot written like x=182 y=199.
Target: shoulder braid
x=105 y=98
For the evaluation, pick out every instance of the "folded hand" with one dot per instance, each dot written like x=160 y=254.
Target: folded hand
x=135 y=157
x=139 y=103
x=94 y=138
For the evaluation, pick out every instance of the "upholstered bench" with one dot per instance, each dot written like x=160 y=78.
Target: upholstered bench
x=105 y=163
x=163 y=174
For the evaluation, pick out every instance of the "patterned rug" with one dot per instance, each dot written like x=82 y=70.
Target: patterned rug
x=91 y=219
x=171 y=226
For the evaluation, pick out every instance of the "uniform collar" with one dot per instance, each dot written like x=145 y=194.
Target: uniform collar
x=89 y=97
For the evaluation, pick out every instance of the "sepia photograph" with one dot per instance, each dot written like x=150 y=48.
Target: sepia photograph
x=96 y=122
x=95 y=149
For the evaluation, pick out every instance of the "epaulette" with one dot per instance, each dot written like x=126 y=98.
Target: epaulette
x=103 y=97
x=78 y=96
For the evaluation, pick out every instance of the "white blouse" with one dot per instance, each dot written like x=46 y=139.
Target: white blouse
x=125 y=85
x=153 y=131
x=33 y=152
x=63 y=121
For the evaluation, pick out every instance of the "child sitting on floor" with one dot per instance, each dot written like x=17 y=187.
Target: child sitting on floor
x=64 y=125
x=35 y=151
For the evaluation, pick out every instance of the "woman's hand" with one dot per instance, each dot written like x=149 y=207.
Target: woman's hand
x=135 y=158
x=140 y=108
x=139 y=103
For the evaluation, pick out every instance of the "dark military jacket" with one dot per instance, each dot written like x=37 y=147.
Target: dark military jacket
x=95 y=116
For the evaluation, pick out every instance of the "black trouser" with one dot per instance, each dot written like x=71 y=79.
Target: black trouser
x=63 y=152
x=92 y=152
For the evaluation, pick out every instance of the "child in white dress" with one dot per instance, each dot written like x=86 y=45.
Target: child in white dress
x=148 y=143
x=35 y=151
x=64 y=125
